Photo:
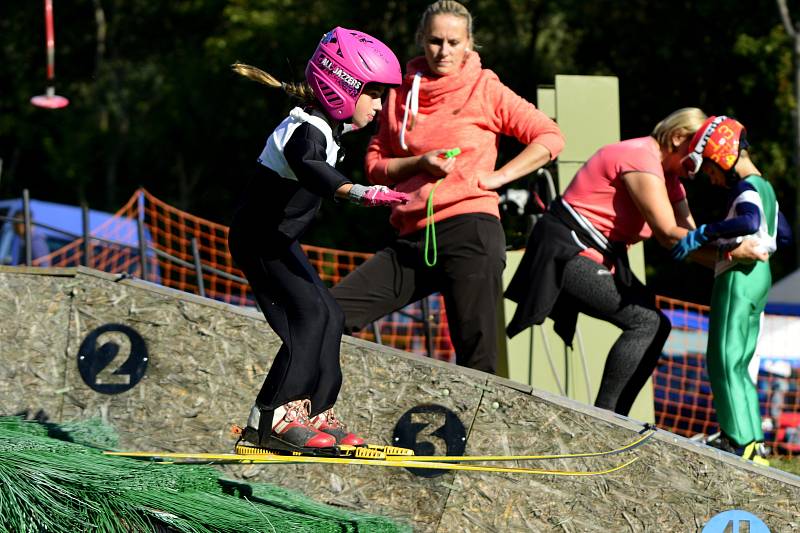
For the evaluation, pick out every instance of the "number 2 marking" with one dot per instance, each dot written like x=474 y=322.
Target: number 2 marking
x=112 y=358
x=118 y=344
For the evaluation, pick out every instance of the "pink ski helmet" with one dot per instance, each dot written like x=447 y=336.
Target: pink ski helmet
x=343 y=63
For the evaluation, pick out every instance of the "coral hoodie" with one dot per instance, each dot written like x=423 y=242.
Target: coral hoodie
x=468 y=110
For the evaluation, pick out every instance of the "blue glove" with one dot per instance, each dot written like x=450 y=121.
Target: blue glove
x=693 y=240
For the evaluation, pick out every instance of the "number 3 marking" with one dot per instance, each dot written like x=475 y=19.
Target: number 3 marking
x=430 y=429
x=428 y=420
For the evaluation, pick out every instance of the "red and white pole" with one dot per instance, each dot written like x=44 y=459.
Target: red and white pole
x=50 y=100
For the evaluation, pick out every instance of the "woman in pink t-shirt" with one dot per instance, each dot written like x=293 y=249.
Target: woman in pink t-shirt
x=577 y=261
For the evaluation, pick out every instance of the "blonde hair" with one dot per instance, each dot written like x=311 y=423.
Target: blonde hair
x=685 y=121
x=301 y=91
x=443 y=7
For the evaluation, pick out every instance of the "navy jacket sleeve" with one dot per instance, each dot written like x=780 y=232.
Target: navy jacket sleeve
x=746 y=221
x=305 y=153
x=784 y=237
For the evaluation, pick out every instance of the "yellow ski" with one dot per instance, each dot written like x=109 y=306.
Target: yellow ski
x=389 y=456
x=487 y=458
x=230 y=458
x=370 y=451
x=392 y=453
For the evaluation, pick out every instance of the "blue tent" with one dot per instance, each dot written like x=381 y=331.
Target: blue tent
x=68 y=221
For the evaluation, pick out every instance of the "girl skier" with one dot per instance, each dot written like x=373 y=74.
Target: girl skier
x=740 y=289
x=346 y=78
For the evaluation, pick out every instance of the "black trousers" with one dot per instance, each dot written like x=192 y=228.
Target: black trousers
x=302 y=312
x=471 y=257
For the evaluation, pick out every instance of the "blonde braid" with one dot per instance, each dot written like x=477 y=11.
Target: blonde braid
x=301 y=91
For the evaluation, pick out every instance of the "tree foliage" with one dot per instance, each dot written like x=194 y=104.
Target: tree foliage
x=154 y=103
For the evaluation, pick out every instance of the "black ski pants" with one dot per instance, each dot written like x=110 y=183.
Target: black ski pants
x=300 y=310
x=468 y=273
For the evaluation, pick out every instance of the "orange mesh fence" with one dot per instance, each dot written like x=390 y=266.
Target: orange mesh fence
x=177 y=242
x=682 y=392
x=182 y=238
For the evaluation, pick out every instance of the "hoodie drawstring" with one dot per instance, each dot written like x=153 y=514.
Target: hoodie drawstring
x=412 y=102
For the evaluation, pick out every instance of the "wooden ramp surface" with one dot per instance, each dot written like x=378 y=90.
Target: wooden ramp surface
x=172 y=371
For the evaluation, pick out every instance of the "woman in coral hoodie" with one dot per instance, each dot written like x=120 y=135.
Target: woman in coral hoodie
x=437 y=142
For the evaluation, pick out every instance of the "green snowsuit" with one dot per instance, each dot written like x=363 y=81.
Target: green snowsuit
x=737 y=302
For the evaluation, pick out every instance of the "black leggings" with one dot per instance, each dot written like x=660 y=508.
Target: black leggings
x=633 y=357
x=300 y=310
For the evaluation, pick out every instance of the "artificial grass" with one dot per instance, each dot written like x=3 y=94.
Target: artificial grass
x=55 y=478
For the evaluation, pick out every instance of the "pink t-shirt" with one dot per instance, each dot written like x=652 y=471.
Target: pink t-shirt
x=598 y=192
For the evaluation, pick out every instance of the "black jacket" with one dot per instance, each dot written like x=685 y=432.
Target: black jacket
x=284 y=208
x=536 y=285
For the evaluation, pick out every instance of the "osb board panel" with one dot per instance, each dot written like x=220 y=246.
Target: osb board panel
x=202 y=367
x=670 y=488
x=33 y=339
x=207 y=363
x=206 y=366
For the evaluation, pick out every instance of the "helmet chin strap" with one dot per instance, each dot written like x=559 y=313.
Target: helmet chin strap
x=732 y=177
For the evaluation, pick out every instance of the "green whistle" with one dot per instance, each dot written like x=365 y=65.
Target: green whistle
x=451 y=153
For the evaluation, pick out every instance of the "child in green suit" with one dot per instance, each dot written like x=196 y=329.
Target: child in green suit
x=740 y=289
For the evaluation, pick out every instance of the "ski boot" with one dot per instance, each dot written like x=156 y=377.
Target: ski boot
x=285 y=429
x=722 y=442
x=349 y=444
x=329 y=423
x=754 y=451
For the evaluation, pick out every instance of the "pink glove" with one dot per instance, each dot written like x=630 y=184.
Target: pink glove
x=376 y=195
